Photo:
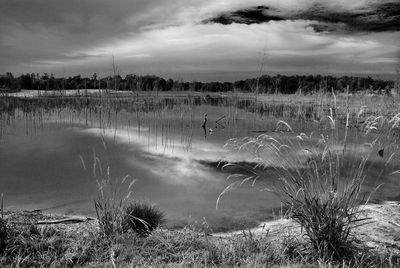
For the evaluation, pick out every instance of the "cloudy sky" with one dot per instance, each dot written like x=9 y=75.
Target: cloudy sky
x=200 y=39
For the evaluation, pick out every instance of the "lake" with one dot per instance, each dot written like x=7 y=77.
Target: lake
x=52 y=152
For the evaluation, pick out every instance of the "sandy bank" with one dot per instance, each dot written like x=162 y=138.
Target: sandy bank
x=380 y=230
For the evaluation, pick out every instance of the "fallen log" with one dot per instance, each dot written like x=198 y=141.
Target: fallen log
x=66 y=220
x=395 y=224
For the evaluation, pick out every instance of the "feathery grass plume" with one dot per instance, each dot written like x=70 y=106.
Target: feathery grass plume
x=319 y=180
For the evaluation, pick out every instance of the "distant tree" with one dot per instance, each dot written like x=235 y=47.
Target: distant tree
x=266 y=84
x=45 y=76
x=25 y=81
x=52 y=83
x=169 y=85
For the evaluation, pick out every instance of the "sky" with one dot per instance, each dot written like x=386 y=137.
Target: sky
x=200 y=40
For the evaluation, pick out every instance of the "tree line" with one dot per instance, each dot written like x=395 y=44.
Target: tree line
x=265 y=84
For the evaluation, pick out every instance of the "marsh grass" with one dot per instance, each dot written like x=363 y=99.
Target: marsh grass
x=110 y=206
x=319 y=179
x=116 y=210
x=112 y=199
x=327 y=217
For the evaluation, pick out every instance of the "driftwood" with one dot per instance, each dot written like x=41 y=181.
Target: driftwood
x=66 y=220
x=394 y=223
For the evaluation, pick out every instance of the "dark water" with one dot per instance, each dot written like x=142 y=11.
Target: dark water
x=49 y=164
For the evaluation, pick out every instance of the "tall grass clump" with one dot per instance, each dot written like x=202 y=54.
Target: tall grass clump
x=117 y=211
x=110 y=206
x=111 y=200
x=319 y=178
x=143 y=218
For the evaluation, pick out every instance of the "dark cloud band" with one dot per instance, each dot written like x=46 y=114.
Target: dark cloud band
x=251 y=15
x=376 y=18
x=380 y=18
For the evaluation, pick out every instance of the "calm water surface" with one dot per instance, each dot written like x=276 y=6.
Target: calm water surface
x=49 y=164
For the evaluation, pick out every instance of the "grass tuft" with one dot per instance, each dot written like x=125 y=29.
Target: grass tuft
x=326 y=216
x=111 y=201
x=143 y=218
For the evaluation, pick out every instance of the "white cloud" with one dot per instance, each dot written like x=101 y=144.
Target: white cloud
x=239 y=47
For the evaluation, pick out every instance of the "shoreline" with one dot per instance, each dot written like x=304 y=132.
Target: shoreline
x=277 y=243
x=381 y=229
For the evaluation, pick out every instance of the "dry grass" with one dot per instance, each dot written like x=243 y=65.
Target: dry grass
x=33 y=246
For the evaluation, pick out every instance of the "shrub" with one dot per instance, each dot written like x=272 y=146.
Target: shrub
x=142 y=217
